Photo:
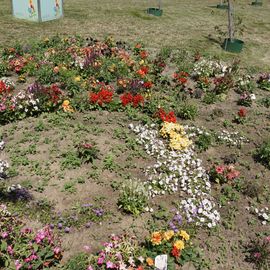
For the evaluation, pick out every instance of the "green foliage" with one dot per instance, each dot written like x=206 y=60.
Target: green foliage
x=133 y=197
x=203 y=141
x=78 y=262
x=87 y=152
x=186 y=111
x=70 y=160
x=263 y=154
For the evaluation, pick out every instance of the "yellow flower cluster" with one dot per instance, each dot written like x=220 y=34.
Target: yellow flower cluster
x=176 y=134
x=67 y=107
x=158 y=237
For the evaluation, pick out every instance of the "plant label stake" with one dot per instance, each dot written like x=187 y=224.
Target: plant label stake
x=161 y=262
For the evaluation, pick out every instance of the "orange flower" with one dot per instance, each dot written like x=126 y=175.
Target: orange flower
x=150 y=261
x=156 y=238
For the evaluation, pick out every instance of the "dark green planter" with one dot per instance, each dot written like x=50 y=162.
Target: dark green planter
x=234 y=45
x=155 y=11
x=256 y=3
x=222 y=6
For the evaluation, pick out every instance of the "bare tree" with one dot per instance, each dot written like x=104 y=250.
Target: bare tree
x=230 y=20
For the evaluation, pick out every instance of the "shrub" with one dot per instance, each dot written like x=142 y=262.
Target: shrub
x=203 y=142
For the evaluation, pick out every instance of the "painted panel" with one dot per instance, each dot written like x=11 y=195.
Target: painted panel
x=51 y=9
x=25 y=9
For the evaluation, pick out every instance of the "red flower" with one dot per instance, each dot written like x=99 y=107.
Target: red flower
x=175 y=252
x=148 y=85
x=220 y=169
x=166 y=117
x=143 y=71
x=182 y=80
x=143 y=54
x=242 y=112
x=137 y=99
x=140 y=267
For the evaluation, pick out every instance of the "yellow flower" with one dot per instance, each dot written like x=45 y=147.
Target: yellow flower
x=141 y=62
x=179 y=244
x=150 y=261
x=156 y=238
x=77 y=79
x=66 y=103
x=184 y=234
x=168 y=235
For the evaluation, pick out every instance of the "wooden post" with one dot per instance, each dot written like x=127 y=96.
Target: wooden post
x=159 y=4
x=230 y=20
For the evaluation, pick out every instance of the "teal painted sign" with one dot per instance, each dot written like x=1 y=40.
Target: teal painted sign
x=38 y=10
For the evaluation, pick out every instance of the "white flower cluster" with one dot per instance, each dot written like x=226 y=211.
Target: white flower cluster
x=26 y=102
x=243 y=82
x=13 y=187
x=177 y=171
x=201 y=211
x=231 y=138
x=8 y=82
x=3 y=211
x=209 y=68
x=263 y=214
x=3 y=164
x=193 y=132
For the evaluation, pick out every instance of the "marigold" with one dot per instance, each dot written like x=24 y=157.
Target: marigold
x=156 y=238
x=179 y=244
x=184 y=234
x=168 y=235
x=150 y=261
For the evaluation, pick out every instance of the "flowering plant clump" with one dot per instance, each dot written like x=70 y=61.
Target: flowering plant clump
x=231 y=138
x=121 y=252
x=3 y=164
x=67 y=106
x=263 y=214
x=259 y=252
x=134 y=100
x=104 y=96
x=264 y=81
x=181 y=77
x=246 y=99
x=223 y=173
x=6 y=86
x=166 y=117
x=22 y=248
x=178 y=171
x=209 y=68
x=241 y=116
x=87 y=152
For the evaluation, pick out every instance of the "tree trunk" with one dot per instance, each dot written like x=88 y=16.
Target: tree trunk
x=159 y=4
x=230 y=20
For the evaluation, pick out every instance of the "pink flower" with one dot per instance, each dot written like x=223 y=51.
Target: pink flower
x=232 y=175
x=110 y=265
x=10 y=250
x=220 y=169
x=100 y=260
x=18 y=265
x=267 y=239
x=4 y=235
x=57 y=250
x=89 y=268
x=257 y=255
x=87 y=248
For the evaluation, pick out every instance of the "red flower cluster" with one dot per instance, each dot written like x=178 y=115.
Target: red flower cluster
x=175 y=252
x=103 y=96
x=3 y=88
x=143 y=54
x=55 y=93
x=229 y=172
x=181 y=77
x=148 y=85
x=242 y=112
x=128 y=98
x=17 y=64
x=166 y=117
x=143 y=71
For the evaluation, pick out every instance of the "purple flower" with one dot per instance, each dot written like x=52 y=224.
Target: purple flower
x=60 y=226
x=4 y=235
x=67 y=230
x=100 y=260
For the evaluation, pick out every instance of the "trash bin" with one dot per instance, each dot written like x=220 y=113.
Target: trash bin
x=37 y=10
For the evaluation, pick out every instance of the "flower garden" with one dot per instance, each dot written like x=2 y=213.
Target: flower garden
x=112 y=156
